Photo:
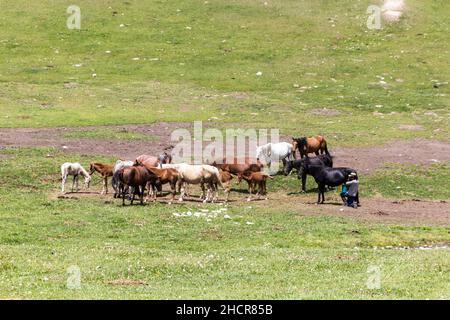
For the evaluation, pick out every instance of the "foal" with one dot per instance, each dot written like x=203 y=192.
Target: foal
x=106 y=170
x=253 y=179
x=169 y=175
x=74 y=169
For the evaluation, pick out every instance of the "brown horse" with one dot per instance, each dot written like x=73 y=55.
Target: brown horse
x=310 y=145
x=136 y=177
x=169 y=175
x=255 y=179
x=238 y=166
x=226 y=178
x=106 y=170
x=146 y=159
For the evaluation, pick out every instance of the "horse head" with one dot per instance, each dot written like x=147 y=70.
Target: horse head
x=92 y=168
x=288 y=167
x=87 y=181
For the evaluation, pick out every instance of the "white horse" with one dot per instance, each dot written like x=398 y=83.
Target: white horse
x=117 y=166
x=74 y=169
x=274 y=152
x=200 y=174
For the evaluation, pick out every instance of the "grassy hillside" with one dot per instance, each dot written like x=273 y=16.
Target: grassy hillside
x=301 y=66
x=197 y=59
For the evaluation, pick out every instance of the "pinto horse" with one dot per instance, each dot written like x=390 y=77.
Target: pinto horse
x=310 y=145
x=320 y=160
x=106 y=170
x=326 y=176
x=135 y=177
x=168 y=175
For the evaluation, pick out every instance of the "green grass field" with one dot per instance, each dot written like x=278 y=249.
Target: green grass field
x=198 y=60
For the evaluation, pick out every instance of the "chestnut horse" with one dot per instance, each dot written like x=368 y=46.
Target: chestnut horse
x=238 y=166
x=106 y=170
x=149 y=160
x=169 y=175
x=310 y=145
x=255 y=179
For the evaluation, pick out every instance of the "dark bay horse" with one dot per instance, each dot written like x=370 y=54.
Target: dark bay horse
x=321 y=160
x=310 y=145
x=326 y=176
x=135 y=177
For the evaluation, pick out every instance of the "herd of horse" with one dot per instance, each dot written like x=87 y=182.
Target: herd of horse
x=146 y=172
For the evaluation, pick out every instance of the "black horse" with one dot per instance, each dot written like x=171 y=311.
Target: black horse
x=321 y=160
x=326 y=176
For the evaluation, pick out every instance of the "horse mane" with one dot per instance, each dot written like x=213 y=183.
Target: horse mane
x=302 y=143
x=84 y=172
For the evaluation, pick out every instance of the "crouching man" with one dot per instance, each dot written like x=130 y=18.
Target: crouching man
x=352 y=192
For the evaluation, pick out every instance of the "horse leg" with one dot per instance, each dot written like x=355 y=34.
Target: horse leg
x=173 y=188
x=181 y=190
x=303 y=177
x=215 y=192
x=322 y=190
x=122 y=187
x=141 y=194
x=318 y=193
x=265 y=189
x=63 y=182
x=135 y=190
x=73 y=182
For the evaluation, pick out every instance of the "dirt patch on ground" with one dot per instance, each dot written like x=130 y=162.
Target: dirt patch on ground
x=415 y=127
x=325 y=112
x=408 y=212
x=54 y=137
x=416 y=151
x=127 y=282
